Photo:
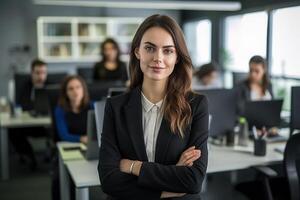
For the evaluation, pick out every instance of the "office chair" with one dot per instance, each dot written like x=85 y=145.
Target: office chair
x=272 y=184
x=295 y=109
x=291 y=154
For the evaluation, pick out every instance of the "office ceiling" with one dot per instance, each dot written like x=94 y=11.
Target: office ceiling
x=203 y=5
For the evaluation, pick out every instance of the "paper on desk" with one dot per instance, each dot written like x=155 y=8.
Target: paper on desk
x=71 y=155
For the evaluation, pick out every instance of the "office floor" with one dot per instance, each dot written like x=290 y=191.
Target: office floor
x=27 y=185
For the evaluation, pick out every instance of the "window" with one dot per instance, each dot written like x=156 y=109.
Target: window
x=198 y=35
x=286 y=42
x=245 y=36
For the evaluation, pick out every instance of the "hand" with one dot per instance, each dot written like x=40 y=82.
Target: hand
x=84 y=139
x=125 y=165
x=188 y=157
x=165 y=194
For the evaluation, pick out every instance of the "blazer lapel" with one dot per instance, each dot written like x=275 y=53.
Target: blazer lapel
x=133 y=113
x=163 y=139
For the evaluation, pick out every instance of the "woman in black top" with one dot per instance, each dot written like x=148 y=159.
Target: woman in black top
x=257 y=86
x=110 y=68
x=72 y=109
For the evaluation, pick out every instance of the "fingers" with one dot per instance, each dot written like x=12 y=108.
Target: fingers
x=190 y=161
x=190 y=157
x=189 y=149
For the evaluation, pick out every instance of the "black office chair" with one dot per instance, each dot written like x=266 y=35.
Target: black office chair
x=272 y=186
x=295 y=110
x=291 y=155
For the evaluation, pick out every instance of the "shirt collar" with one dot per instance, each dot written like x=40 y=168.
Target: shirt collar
x=148 y=105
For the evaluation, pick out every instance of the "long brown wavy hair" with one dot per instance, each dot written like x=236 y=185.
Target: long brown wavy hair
x=176 y=106
x=64 y=100
x=265 y=79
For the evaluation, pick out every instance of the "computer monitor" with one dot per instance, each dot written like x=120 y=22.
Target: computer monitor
x=41 y=105
x=263 y=113
x=55 y=78
x=295 y=109
x=92 y=143
x=238 y=77
x=20 y=79
x=114 y=91
x=86 y=73
x=99 y=115
x=99 y=90
x=222 y=110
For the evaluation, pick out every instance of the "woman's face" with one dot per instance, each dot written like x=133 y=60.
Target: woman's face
x=157 y=54
x=75 y=91
x=110 y=51
x=256 y=72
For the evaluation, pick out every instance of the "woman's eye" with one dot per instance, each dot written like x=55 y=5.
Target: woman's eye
x=168 y=51
x=149 y=49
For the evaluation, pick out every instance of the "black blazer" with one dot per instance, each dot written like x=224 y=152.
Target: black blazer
x=122 y=137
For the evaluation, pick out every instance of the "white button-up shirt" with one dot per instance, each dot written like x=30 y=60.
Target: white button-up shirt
x=152 y=117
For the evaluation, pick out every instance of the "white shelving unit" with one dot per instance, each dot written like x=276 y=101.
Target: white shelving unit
x=78 y=39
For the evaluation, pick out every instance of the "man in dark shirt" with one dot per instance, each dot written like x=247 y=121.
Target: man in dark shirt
x=25 y=98
x=25 y=92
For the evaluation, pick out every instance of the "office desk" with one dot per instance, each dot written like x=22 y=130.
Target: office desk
x=84 y=173
x=25 y=120
x=222 y=158
x=64 y=157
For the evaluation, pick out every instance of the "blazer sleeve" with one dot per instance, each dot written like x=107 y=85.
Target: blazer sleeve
x=113 y=181
x=182 y=178
x=62 y=127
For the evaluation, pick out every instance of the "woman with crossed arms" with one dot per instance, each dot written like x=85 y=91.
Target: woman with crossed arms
x=154 y=139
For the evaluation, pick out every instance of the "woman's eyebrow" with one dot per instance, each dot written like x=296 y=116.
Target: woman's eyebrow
x=166 y=46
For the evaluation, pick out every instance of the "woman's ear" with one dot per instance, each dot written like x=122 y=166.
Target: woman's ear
x=137 y=53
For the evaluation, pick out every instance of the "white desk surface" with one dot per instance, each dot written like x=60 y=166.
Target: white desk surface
x=25 y=120
x=84 y=173
x=227 y=158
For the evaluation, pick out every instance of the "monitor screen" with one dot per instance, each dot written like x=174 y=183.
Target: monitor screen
x=222 y=110
x=263 y=113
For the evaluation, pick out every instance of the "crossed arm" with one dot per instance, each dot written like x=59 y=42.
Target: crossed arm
x=133 y=179
x=186 y=159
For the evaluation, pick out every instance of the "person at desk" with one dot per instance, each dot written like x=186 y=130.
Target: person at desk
x=19 y=136
x=38 y=80
x=154 y=138
x=110 y=68
x=72 y=109
x=206 y=77
x=257 y=86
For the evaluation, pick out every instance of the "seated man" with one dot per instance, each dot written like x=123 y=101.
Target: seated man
x=38 y=79
x=25 y=98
